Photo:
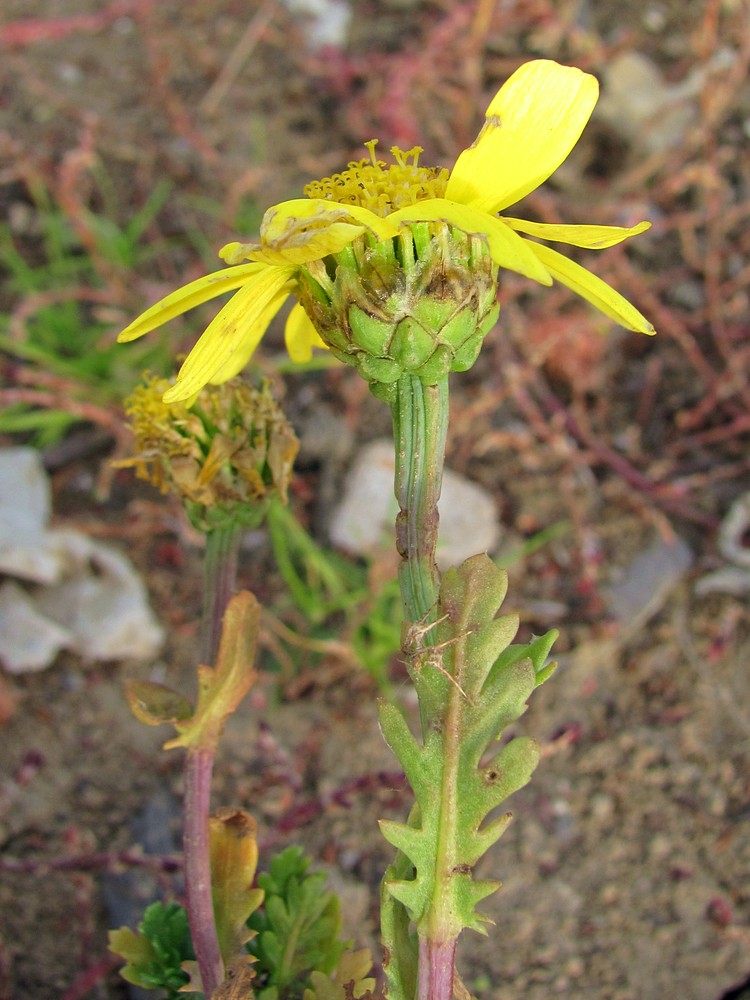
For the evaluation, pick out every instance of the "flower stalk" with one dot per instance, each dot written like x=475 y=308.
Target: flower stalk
x=197 y=854
x=420 y=425
x=219 y=581
x=436 y=969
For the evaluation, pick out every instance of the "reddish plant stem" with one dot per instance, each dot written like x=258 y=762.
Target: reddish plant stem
x=219 y=581
x=436 y=965
x=663 y=494
x=220 y=576
x=90 y=862
x=200 y=907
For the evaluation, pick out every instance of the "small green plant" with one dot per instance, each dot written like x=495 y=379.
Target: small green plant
x=395 y=268
x=294 y=940
x=64 y=312
x=297 y=930
x=156 y=951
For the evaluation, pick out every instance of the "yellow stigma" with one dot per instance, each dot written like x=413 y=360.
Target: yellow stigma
x=380 y=187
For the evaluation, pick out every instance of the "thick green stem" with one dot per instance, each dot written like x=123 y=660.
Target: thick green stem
x=219 y=581
x=420 y=424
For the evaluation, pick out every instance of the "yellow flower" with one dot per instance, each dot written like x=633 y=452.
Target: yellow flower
x=532 y=124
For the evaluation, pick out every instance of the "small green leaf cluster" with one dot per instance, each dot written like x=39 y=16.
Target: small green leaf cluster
x=61 y=276
x=155 y=952
x=348 y=980
x=297 y=929
x=295 y=948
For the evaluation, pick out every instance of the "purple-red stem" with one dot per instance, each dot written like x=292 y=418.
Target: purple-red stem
x=219 y=580
x=436 y=964
x=219 y=583
x=200 y=907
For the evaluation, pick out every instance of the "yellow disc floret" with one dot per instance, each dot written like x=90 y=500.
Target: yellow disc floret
x=380 y=187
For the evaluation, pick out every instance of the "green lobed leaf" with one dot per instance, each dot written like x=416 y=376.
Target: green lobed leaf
x=348 y=980
x=155 y=952
x=471 y=684
x=297 y=929
x=401 y=958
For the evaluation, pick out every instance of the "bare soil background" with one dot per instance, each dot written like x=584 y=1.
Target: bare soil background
x=627 y=865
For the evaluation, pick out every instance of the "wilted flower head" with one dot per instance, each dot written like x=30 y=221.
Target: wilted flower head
x=395 y=266
x=225 y=456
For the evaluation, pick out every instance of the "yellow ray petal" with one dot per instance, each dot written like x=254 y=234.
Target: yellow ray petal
x=300 y=336
x=234 y=364
x=533 y=122
x=229 y=340
x=301 y=247
x=507 y=248
x=189 y=296
x=591 y=237
x=319 y=213
x=307 y=229
x=593 y=289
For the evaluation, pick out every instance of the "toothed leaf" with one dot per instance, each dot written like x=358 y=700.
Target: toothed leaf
x=155 y=952
x=471 y=683
x=297 y=929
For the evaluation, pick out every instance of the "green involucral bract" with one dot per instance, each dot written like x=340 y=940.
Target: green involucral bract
x=418 y=304
x=472 y=683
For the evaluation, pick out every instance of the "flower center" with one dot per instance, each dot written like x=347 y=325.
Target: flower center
x=380 y=187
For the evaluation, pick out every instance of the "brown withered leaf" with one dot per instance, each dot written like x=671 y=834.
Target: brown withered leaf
x=154 y=704
x=222 y=688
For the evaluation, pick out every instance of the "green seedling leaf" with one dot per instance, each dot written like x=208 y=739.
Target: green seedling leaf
x=222 y=688
x=297 y=929
x=471 y=683
x=348 y=980
x=155 y=952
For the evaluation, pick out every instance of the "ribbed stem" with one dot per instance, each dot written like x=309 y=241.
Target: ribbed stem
x=420 y=424
x=219 y=582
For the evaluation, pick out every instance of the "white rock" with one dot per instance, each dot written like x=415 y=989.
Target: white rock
x=24 y=512
x=733 y=532
x=89 y=597
x=363 y=523
x=102 y=600
x=733 y=579
x=328 y=20
x=639 y=104
x=30 y=640
x=644 y=586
